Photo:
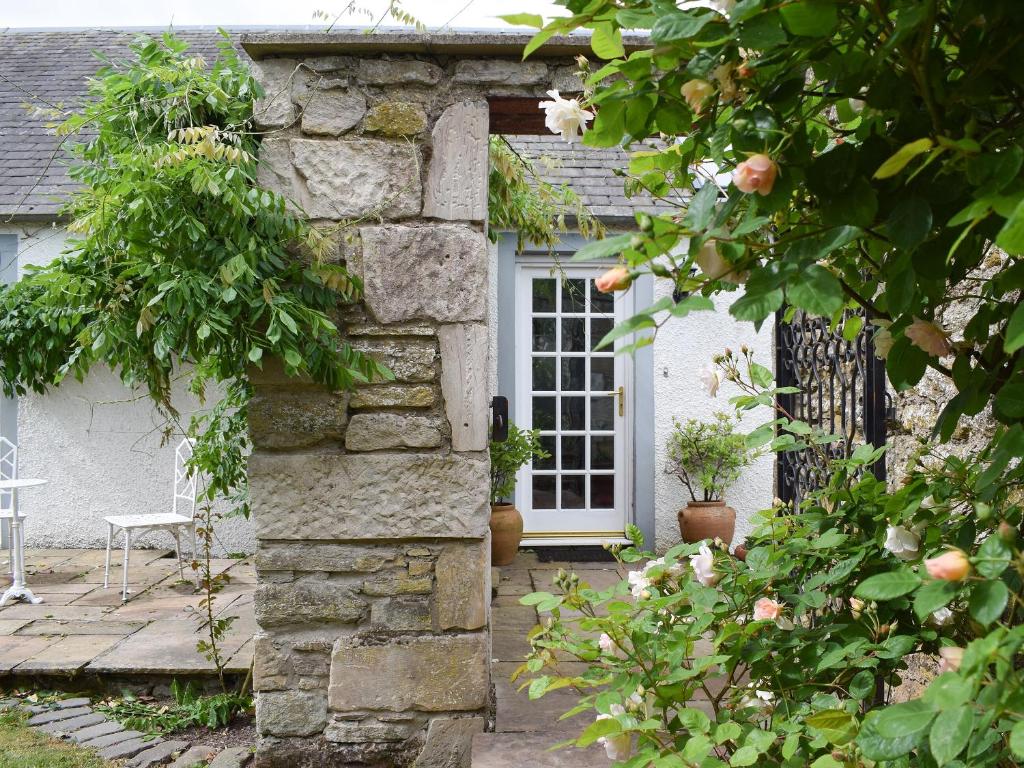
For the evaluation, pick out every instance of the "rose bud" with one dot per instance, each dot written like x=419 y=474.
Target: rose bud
x=615 y=279
x=755 y=174
x=949 y=566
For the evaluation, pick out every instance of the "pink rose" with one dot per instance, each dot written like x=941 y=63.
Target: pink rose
x=755 y=174
x=767 y=609
x=949 y=566
x=929 y=336
x=951 y=658
x=615 y=279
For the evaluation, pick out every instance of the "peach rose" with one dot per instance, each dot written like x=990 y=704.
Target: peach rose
x=696 y=92
x=767 y=609
x=949 y=566
x=615 y=279
x=755 y=174
x=951 y=657
x=712 y=264
x=929 y=336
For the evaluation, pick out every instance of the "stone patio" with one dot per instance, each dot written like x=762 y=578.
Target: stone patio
x=82 y=634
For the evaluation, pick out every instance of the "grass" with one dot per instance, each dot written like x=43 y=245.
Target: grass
x=21 y=747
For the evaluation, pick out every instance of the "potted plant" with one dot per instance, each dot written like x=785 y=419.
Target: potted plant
x=707 y=457
x=507 y=457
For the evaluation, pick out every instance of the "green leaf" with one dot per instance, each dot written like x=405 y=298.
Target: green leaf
x=816 y=290
x=1015 y=331
x=691 y=303
x=950 y=733
x=605 y=727
x=875 y=746
x=702 y=208
x=898 y=161
x=947 y=691
x=1017 y=739
x=1011 y=236
x=1009 y=401
x=743 y=756
x=837 y=726
x=887 y=586
x=523 y=19
x=607 y=42
x=633 y=324
x=862 y=684
x=809 y=18
x=932 y=596
x=993 y=557
x=679 y=25
x=756 y=306
x=909 y=223
x=988 y=601
x=602 y=249
x=899 y=720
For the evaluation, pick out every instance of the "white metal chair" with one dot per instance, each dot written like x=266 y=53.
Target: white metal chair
x=8 y=471
x=181 y=517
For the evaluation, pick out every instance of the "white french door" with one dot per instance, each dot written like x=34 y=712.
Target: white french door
x=577 y=398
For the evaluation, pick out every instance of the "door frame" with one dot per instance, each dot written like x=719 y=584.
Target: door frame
x=8 y=405
x=640 y=401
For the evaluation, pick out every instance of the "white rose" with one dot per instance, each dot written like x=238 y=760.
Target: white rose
x=565 y=116
x=709 y=380
x=605 y=643
x=703 y=565
x=715 y=267
x=903 y=543
x=638 y=583
x=616 y=747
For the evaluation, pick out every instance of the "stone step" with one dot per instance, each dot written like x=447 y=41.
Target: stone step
x=195 y=755
x=126 y=749
x=64 y=727
x=60 y=714
x=105 y=728
x=116 y=737
x=232 y=757
x=157 y=755
x=532 y=750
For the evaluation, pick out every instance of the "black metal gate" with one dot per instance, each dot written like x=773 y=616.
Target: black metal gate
x=842 y=390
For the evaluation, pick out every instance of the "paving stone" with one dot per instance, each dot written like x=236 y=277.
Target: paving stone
x=68 y=653
x=15 y=649
x=126 y=749
x=232 y=757
x=198 y=754
x=74 y=724
x=55 y=612
x=157 y=755
x=531 y=750
x=81 y=701
x=59 y=714
x=194 y=755
x=102 y=627
x=10 y=626
x=9 y=703
x=100 y=742
x=105 y=728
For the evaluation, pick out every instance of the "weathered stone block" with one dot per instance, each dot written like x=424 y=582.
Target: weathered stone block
x=317 y=752
x=270 y=667
x=396 y=118
x=394 y=396
x=369 y=496
x=397 y=583
x=401 y=614
x=449 y=742
x=379 y=431
x=456 y=187
x=345 y=178
x=411 y=360
x=425 y=273
x=460 y=592
x=306 y=602
x=317 y=556
x=285 y=419
x=430 y=673
x=501 y=72
x=392 y=72
x=567 y=80
x=464 y=374
x=291 y=713
x=364 y=327
x=369 y=730
x=332 y=112
x=274 y=109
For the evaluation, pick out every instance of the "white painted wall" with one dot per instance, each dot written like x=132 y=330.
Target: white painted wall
x=683 y=347
x=101 y=447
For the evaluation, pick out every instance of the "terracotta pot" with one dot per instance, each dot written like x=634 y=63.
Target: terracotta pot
x=707 y=520
x=506 y=533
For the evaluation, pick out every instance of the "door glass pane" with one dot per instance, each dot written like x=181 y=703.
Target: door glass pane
x=574 y=413
x=574 y=374
x=574 y=296
x=543 y=294
x=602 y=491
x=573 y=339
x=547 y=442
x=544 y=374
x=601 y=303
x=573 y=456
x=602 y=452
x=574 y=491
x=544 y=492
x=599 y=328
x=543 y=334
x=602 y=374
x=601 y=413
x=543 y=413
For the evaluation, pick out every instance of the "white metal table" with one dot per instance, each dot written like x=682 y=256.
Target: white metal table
x=18 y=589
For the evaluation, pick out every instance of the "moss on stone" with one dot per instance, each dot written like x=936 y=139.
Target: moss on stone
x=396 y=118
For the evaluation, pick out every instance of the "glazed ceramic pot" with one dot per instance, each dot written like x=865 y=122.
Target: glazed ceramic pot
x=707 y=520
x=506 y=533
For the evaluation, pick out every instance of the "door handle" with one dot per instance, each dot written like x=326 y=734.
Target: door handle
x=621 y=394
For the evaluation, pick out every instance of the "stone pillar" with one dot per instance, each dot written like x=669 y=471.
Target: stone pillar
x=371 y=508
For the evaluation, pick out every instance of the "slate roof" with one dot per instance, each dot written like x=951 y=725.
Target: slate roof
x=51 y=67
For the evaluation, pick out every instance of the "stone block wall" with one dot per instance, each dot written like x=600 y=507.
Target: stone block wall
x=371 y=507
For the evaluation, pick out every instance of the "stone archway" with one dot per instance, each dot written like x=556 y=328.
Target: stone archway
x=371 y=509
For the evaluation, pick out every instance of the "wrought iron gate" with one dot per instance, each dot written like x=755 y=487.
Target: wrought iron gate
x=842 y=390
